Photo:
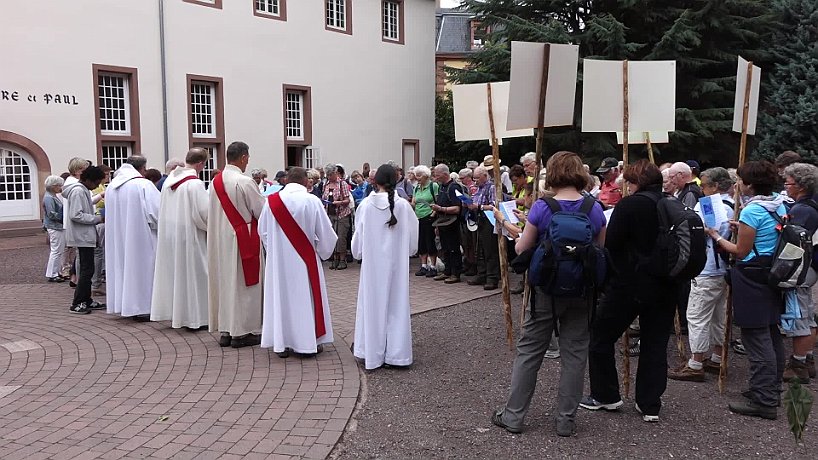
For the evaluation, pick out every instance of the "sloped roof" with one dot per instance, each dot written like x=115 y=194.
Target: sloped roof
x=453 y=31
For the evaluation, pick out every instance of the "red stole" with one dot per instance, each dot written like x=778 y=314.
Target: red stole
x=248 y=240
x=306 y=251
x=185 y=179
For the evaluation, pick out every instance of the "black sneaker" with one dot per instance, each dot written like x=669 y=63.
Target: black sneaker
x=588 y=402
x=56 y=279
x=431 y=273
x=421 y=272
x=738 y=347
x=94 y=305
x=80 y=309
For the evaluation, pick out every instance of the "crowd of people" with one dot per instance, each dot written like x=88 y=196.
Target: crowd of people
x=245 y=256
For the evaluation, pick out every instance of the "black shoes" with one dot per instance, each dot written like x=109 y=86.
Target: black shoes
x=497 y=419
x=753 y=409
x=94 y=305
x=224 y=340
x=141 y=318
x=248 y=340
x=79 y=309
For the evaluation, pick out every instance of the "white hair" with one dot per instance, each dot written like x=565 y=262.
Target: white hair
x=421 y=170
x=442 y=168
x=481 y=170
x=172 y=164
x=467 y=172
x=53 y=181
x=454 y=176
x=681 y=167
x=530 y=156
x=257 y=172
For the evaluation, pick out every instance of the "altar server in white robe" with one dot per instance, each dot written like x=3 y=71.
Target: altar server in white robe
x=180 y=279
x=234 y=252
x=386 y=235
x=298 y=234
x=131 y=221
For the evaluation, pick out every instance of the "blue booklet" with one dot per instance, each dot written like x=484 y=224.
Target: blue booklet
x=272 y=189
x=464 y=198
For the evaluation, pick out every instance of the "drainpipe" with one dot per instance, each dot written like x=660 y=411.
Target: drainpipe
x=164 y=78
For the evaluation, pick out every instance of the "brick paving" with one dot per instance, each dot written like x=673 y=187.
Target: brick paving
x=101 y=386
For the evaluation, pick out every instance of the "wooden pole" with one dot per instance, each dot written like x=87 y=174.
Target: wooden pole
x=650 y=148
x=501 y=239
x=626 y=342
x=742 y=153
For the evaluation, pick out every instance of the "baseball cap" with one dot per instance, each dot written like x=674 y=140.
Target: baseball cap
x=693 y=164
x=607 y=164
x=280 y=174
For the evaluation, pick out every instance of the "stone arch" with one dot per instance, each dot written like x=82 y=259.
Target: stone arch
x=34 y=150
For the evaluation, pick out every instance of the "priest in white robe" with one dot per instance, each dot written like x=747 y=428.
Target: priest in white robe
x=180 y=279
x=131 y=221
x=386 y=235
x=234 y=252
x=297 y=234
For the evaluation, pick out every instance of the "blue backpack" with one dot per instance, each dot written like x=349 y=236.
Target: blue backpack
x=568 y=263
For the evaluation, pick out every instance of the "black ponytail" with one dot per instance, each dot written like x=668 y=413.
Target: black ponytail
x=387 y=177
x=390 y=190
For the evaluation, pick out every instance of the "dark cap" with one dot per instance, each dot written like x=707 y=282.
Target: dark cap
x=280 y=174
x=693 y=164
x=607 y=164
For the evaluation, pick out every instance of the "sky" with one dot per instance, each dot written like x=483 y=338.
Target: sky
x=449 y=3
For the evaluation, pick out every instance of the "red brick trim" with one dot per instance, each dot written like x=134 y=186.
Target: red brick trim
x=214 y=4
x=348 y=15
x=41 y=161
x=401 y=29
x=282 y=11
x=134 y=138
x=307 y=101
x=218 y=139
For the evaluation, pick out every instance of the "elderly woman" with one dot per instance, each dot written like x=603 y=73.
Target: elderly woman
x=567 y=179
x=336 y=197
x=757 y=306
x=52 y=222
x=313 y=178
x=423 y=197
x=801 y=183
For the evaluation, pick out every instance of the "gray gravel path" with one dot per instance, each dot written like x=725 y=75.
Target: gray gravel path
x=440 y=407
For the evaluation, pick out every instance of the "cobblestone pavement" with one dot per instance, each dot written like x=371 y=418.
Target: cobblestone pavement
x=101 y=386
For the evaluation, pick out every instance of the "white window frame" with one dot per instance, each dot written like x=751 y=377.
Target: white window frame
x=193 y=113
x=115 y=165
x=391 y=18
x=299 y=136
x=268 y=7
x=336 y=14
x=311 y=157
x=126 y=104
x=207 y=172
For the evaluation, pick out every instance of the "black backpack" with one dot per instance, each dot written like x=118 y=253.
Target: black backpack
x=788 y=273
x=680 y=251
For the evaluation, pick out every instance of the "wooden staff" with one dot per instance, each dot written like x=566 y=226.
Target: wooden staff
x=650 y=148
x=742 y=153
x=626 y=342
x=501 y=240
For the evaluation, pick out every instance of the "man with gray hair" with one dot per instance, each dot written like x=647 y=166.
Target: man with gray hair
x=447 y=209
x=529 y=162
x=708 y=294
x=131 y=221
x=488 y=255
x=172 y=164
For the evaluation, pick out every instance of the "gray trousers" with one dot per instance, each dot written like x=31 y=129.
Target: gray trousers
x=99 y=259
x=765 y=351
x=574 y=336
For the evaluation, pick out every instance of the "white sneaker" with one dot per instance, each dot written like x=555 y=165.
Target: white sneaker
x=645 y=417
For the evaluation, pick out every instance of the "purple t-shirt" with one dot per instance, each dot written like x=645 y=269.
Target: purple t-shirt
x=540 y=215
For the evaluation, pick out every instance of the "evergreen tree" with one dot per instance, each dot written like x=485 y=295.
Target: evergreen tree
x=790 y=121
x=703 y=36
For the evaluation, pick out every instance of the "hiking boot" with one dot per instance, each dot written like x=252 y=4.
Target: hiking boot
x=452 y=279
x=421 y=272
x=497 y=419
x=811 y=365
x=79 y=309
x=646 y=417
x=478 y=281
x=565 y=427
x=796 y=369
x=588 y=402
x=441 y=277
x=711 y=366
x=753 y=409
x=431 y=273
x=518 y=289
x=686 y=374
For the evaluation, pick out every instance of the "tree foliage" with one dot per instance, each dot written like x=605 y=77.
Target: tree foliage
x=703 y=36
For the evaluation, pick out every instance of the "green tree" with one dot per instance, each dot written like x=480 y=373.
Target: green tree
x=703 y=36
x=789 y=121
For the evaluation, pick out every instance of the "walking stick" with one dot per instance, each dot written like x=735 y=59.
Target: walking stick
x=501 y=240
x=626 y=343
x=680 y=344
x=742 y=152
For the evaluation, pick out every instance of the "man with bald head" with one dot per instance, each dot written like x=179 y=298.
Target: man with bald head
x=180 y=280
x=681 y=176
x=131 y=220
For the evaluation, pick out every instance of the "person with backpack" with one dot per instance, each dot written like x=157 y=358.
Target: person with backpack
x=757 y=305
x=708 y=293
x=447 y=210
x=424 y=195
x=640 y=286
x=801 y=184
x=571 y=226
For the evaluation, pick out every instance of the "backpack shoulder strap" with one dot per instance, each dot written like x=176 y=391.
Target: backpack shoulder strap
x=654 y=196
x=587 y=205
x=811 y=203
x=776 y=217
x=553 y=204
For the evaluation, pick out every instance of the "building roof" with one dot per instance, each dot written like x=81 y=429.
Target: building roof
x=453 y=31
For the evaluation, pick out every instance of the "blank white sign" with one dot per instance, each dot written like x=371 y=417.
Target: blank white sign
x=526 y=80
x=741 y=87
x=471 y=112
x=661 y=137
x=651 y=96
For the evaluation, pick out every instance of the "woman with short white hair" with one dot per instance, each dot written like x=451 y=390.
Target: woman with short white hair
x=423 y=197
x=52 y=222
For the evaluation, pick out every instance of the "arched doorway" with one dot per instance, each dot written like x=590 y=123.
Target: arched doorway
x=19 y=185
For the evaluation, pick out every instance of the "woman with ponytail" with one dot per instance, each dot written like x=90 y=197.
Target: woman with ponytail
x=386 y=234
